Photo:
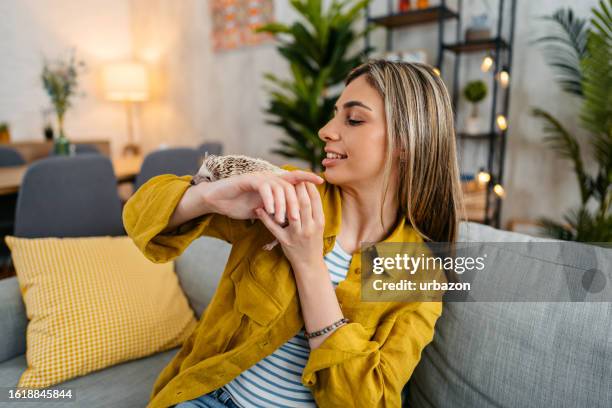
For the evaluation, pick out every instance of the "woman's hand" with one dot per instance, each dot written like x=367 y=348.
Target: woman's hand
x=302 y=239
x=238 y=196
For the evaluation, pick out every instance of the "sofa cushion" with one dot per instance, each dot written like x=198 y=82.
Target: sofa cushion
x=126 y=385
x=530 y=354
x=199 y=269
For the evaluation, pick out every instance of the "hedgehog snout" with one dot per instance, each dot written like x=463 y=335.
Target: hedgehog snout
x=198 y=178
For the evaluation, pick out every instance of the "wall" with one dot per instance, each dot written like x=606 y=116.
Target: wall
x=100 y=31
x=199 y=95
x=537 y=182
x=220 y=96
x=205 y=95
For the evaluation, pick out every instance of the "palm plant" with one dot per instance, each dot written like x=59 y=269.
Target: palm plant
x=582 y=55
x=317 y=50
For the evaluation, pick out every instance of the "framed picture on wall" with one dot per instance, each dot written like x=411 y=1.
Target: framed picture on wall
x=234 y=22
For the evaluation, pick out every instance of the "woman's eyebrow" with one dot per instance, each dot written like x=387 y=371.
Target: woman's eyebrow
x=350 y=104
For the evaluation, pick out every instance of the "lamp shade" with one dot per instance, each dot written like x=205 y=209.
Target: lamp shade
x=126 y=81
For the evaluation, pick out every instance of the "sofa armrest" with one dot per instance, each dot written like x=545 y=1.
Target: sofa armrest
x=13 y=320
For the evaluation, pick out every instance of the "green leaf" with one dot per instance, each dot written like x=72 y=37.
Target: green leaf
x=567 y=146
x=566 y=48
x=590 y=78
x=273 y=28
x=317 y=48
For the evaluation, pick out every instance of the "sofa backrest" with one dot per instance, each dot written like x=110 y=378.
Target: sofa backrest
x=530 y=354
x=199 y=269
x=13 y=320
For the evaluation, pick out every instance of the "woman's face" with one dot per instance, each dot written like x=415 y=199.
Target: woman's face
x=358 y=133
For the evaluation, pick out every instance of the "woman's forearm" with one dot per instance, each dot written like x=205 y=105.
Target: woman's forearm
x=193 y=204
x=320 y=306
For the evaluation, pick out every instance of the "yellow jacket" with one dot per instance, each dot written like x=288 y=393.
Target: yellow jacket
x=256 y=309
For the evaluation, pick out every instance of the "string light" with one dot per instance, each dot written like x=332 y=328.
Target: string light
x=502 y=123
x=487 y=62
x=499 y=190
x=504 y=78
x=483 y=177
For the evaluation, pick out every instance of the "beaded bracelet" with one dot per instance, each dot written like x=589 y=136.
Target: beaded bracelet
x=324 y=330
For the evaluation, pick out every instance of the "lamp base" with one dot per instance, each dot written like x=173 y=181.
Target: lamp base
x=131 y=149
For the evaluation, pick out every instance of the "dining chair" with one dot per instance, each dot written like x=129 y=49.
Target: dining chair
x=69 y=197
x=180 y=161
x=81 y=148
x=215 y=148
x=10 y=157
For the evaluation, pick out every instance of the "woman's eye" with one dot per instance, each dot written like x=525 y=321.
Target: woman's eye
x=353 y=122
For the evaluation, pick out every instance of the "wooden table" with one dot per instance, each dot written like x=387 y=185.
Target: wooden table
x=126 y=169
x=32 y=150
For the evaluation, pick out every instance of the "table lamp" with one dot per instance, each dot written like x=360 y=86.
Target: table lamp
x=127 y=82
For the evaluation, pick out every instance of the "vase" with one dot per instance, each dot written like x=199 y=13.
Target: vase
x=61 y=146
x=472 y=125
x=479 y=29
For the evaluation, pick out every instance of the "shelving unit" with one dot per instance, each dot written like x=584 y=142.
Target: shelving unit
x=499 y=47
x=476 y=45
x=420 y=16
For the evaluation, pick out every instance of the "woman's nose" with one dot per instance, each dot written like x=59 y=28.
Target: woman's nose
x=327 y=132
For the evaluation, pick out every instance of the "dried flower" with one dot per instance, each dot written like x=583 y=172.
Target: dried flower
x=60 y=80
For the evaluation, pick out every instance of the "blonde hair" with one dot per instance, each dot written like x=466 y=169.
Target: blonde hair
x=420 y=126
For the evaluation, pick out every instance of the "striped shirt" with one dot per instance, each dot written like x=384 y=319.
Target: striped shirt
x=277 y=379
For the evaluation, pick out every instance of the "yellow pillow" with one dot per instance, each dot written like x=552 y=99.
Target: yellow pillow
x=94 y=302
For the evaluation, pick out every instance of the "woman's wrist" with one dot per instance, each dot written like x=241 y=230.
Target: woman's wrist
x=327 y=329
x=305 y=270
x=205 y=202
x=194 y=203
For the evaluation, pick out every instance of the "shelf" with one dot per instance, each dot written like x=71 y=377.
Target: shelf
x=414 y=17
x=476 y=45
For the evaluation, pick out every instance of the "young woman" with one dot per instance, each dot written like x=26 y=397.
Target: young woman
x=287 y=327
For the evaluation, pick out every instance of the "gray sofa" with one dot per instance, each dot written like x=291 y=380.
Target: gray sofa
x=537 y=354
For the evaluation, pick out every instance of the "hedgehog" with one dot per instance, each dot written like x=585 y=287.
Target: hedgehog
x=219 y=167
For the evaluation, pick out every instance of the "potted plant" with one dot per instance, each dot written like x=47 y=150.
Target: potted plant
x=317 y=50
x=474 y=92
x=60 y=80
x=581 y=54
x=5 y=132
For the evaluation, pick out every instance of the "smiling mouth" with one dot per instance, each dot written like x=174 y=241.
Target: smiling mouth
x=330 y=155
